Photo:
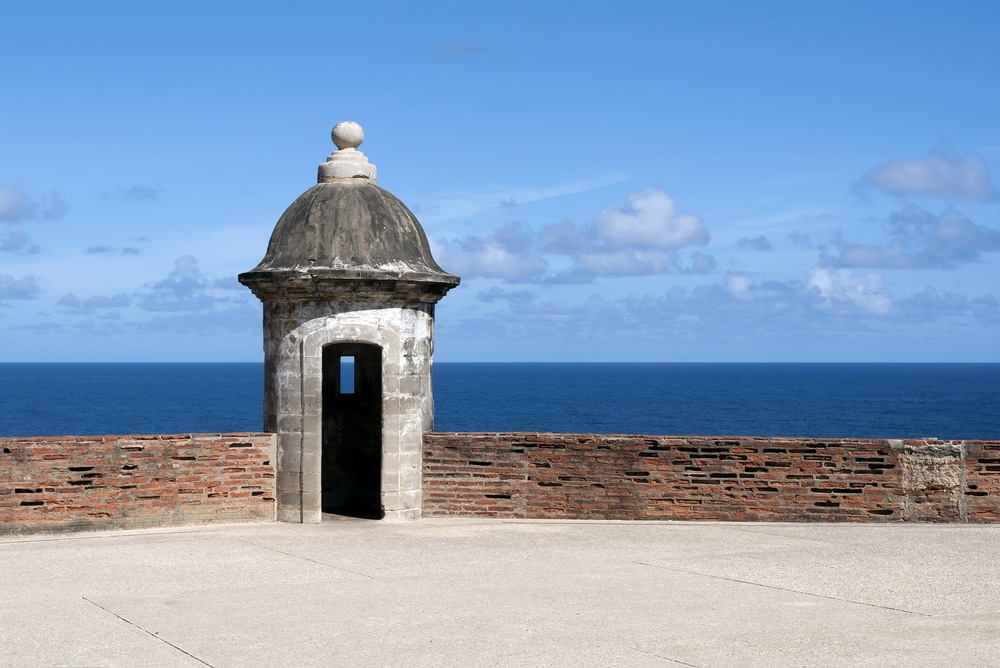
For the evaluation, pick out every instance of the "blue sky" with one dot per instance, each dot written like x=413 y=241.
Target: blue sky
x=636 y=181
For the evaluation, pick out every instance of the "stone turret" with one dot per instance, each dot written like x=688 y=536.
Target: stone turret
x=349 y=286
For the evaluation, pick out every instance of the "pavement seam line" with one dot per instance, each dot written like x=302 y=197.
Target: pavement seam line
x=793 y=591
x=781 y=535
x=665 y=658
x=149 y=633
x=315 y=561
x=84 y=535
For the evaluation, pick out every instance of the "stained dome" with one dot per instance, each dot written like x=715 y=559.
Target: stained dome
x=347 y=228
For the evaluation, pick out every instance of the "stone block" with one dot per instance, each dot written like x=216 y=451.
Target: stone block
x=409 y=478
x=287 y=481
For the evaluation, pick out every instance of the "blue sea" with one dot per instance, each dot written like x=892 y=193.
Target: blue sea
x=947 y=401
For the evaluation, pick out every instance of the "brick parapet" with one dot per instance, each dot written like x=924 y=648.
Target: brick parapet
x=75 y=483
x=629 y=477
x=101 y=482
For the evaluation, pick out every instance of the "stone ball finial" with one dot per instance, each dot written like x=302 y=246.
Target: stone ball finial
x=347 y=163
x=347 y=134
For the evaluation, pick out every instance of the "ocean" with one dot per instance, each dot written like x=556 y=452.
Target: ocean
x=946 y=401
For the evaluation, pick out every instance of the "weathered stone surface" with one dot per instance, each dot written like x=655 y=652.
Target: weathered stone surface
x=349 y=231
x=348 y=271
x=931 y=478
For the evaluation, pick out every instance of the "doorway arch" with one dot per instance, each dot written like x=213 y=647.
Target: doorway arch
x=352 y=417
x=294 y=403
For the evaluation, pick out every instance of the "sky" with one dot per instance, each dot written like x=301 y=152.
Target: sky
x=662 y=181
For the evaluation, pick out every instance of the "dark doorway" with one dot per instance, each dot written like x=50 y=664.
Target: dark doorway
x=352 y=430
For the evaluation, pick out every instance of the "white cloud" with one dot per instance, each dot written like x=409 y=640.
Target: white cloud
x=739 y=286
x=641 y=238
x=490 y=259
x=939 y=174
x=648 y=220
x=504 y=254
x=627 y=262
x=840 y=290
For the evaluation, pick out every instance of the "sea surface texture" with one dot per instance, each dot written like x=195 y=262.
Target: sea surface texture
x=946 y=401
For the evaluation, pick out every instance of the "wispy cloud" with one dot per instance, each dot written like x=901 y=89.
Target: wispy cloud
x=779 y=221
x=135 y=193
x=142 y=193
x=100 y=249
x=497 y=294
x=987 y=310
x=96 y=303
x=449 y=206
x=921 y=240
x=105 y=249
x=825 y=304
x=26 y=287
x=452 y=49
x=19 y=243
x=184 y=289
x=760 y=243
x=187 y=301
x=17 y=206
x=187 y=289
x=800 y=239
x=939 y=175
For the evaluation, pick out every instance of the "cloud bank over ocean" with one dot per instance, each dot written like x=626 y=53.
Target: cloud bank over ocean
x=766 y=184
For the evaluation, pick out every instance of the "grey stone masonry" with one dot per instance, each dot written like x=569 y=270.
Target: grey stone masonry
x=348 y=277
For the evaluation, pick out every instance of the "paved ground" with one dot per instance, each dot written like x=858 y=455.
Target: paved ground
x=498 y=593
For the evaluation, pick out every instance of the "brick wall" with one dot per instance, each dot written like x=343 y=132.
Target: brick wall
x=97 y=482
x=587 y=476
x=75 y=483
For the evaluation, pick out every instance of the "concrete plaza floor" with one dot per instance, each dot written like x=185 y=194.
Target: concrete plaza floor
x=463 y=592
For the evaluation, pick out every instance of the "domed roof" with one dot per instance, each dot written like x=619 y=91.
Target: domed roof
x=346 y=228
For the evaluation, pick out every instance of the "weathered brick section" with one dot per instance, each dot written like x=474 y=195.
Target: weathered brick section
x=587 y=476
x=76 y=483
x=981 y=489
